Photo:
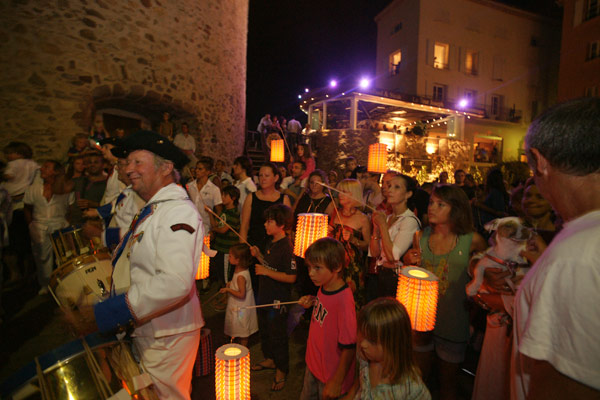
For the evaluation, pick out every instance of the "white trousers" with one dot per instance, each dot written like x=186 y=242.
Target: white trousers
x=170 y=362
x=41 y=248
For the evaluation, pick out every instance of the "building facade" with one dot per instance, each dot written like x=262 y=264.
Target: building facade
x=476 y=55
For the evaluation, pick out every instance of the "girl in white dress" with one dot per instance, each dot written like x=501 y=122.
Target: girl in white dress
x=240 y=323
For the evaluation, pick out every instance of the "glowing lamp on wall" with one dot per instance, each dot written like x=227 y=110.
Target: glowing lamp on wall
x=310 y=228
x=232 y=372
x=203 y=269
x=377 y=161
x=418 y=292
x=277 y=154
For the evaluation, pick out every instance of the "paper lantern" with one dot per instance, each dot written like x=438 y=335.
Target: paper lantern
x=377 y=158
x=310 y=227
x=418 y=292
x=277 y=154
x=203 y=269
x=232 y=372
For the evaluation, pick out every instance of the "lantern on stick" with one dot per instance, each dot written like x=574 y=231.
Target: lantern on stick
x=310 y=227
x=232 y=372
x=277 y=153
x=418 y=292
x=377 y=161
x=203 y=269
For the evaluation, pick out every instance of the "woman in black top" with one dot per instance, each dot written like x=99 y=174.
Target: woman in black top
x=314 y=199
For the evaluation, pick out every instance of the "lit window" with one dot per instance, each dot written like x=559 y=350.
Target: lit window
x=439 y=92
x=471 y=62
x=593 y=50
x=440 y=55
x=395 y=59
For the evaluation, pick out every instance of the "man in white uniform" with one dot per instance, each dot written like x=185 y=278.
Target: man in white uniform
x=556 y=350
x=155 y=292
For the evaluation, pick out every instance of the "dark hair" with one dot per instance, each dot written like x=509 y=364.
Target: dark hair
x=56 y=166
x=567 y=136
x=461 y=216
x=275 y=170
x=302 y=164
x=495 y=180
x=281 y=214
x=328 y=252
x=19 y=148
x=207 y=162
x=245 y=163
x=232 y=192
x=241 y=251
x=307 y=150
x=457 y=172
x=411 y=186
x=320 y=173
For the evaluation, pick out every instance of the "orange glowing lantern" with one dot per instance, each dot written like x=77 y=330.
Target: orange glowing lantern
x=418 y=292
x=232 y=372
x=204 y=261
x=377 y=158
x=310 y=227
x=277 y=154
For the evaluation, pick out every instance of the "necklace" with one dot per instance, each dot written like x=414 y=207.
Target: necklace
x=352 y=212
x=312 y=203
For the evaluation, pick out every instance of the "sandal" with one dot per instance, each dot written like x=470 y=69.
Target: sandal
x=275 y=386
x=260 y=367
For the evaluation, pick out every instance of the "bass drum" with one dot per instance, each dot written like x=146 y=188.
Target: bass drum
x=89 y=368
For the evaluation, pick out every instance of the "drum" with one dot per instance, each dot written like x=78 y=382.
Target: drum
x=89 y=368
x=69 y=243
x=84 y=280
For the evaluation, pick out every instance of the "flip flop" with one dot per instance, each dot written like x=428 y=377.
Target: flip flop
x=276 y=383
x=260 y=367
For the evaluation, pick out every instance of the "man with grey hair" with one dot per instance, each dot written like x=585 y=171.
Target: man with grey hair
x=556 y=349
x=153 y=293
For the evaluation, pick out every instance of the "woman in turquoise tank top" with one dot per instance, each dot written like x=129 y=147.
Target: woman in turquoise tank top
x=445 y=249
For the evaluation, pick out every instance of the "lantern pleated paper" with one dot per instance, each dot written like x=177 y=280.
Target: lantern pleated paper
x=277 y=154
x=310 y=227
x=377 y=161
x=204 y=261
x=232 y=372
x=418 y=292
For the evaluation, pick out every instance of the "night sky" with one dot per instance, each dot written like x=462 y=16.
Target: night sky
x=293 y=44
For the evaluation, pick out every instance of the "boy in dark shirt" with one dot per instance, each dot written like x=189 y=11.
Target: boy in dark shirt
x=275 y=283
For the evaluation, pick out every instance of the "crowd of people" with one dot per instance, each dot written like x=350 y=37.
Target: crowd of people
x=360 y=344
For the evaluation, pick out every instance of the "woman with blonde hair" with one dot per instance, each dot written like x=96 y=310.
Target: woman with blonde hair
x=353 y=228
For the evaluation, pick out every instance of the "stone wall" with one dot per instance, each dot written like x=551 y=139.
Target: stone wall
x=63 y=60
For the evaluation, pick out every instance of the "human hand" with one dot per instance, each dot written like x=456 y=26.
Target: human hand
x=412 y=257
x=83 y=203
x=306 y=301
x=261 y=270
x=379 y=218
x=495 y=278
x=81 y=319
x=332 y=390
x=255 y=252
x=534 y=249
x=223 y=290
x=90 y=213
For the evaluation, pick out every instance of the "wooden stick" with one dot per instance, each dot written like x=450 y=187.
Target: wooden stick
x=261 y=259
x=269 y=305
x=339 y=191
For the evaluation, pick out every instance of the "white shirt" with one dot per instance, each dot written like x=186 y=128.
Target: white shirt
x=246 y=187
x=401 y=232
x=21 y=173
x=557 y=317
x=124 y=211
x=294 y=126
x=44 y=211
x=209 y=195
x=185 y=142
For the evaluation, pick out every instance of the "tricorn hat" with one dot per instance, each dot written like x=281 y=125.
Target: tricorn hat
x=153 y=142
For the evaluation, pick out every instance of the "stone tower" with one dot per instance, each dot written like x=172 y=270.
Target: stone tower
x=66 y=63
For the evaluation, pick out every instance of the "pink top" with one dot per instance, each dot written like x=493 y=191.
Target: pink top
x=332 y=329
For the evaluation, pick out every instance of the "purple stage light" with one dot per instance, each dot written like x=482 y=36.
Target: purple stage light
x=306 y=90
x=463 y=103
x=364 y=83
x=332 y=83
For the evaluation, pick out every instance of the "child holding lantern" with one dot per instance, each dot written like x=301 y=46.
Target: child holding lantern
x=275 y=284
x=240 y=323
x=331 y=345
